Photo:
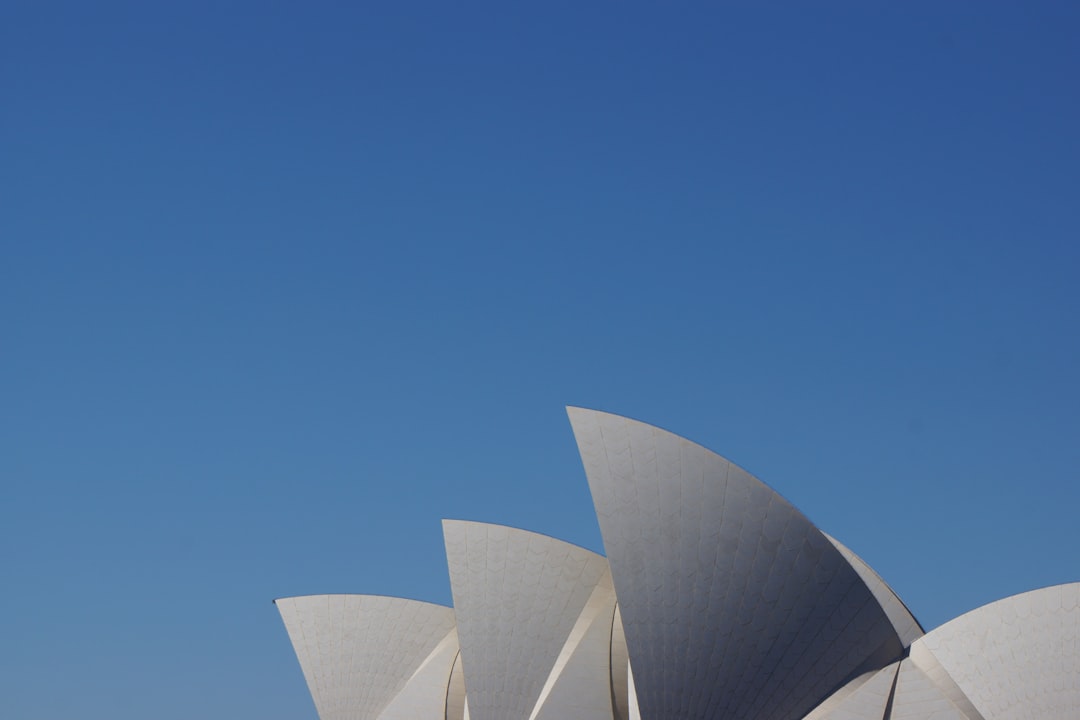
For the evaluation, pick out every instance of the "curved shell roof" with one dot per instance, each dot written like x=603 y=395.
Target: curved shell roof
x=719 y=601
x=358 y=652
x=518 y=597
x=1015 y=658
x=733 y=604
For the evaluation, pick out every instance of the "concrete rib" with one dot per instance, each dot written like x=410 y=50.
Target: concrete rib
x=425 y=694
x=517 y=597
x=865 y=698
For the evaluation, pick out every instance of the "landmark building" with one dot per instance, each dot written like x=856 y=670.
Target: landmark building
x=718 y=600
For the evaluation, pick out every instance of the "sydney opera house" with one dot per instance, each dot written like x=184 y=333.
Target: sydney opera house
x=717 y=600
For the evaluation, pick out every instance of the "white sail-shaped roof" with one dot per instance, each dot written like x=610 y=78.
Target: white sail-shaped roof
x=520 y=598
x=1016 y=658
x=358 y=652
x=733 y=604
x=719 y=601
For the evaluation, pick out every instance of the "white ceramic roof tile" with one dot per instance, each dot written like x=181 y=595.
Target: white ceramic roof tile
x=517 y=597
x=425 y=694
x=905 y=624
x=917 y=697
x=357 y=652
x=928 y=665
x=579 y=684
x=1018 y=657
x=865 y=698
x=733 y=604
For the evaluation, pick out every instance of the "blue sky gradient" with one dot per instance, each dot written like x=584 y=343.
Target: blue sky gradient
x=282 y=285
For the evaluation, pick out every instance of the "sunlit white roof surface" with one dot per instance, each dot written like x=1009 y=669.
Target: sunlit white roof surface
x=358 y=652
x=734 y=605
x=718 y=601
x=1016 y=658
x=527 y=605
x=864 y=698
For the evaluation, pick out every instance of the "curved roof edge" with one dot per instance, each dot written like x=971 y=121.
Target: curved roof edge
x=905 y=623
x=518 y=595
x=360 y=595
x=670 y=508
x=1017 y=654
x=357 y=652
x=571 y=410
x=427 y=691
x=524 y=530
x=1007 y=599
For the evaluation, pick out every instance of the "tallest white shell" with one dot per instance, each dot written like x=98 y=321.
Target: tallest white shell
x=719 y=601
x=733 y=604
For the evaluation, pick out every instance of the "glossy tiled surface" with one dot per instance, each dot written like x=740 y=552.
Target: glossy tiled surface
x=517 y=597
x=865 y=698
x=904 y=623
x=1017 y=658
x=578 y=684
x=719 y=601
x=733 y=604
x=425 y=696
x=358 y=652
x=917 y=697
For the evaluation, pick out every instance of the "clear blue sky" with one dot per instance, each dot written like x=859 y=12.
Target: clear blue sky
x=282 y=285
